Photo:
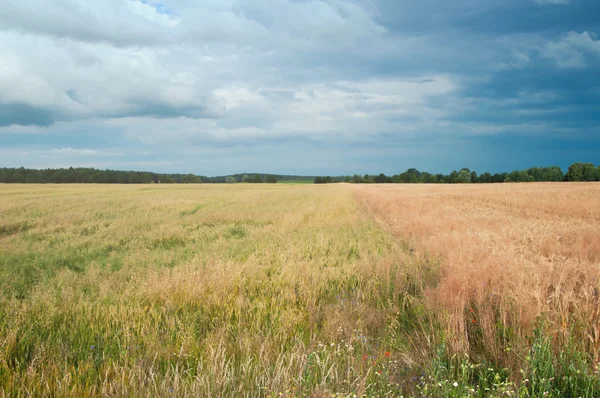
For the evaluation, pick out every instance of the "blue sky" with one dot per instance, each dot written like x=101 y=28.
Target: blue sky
x=295 y=86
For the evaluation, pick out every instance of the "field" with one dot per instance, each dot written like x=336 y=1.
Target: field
x=300 y=290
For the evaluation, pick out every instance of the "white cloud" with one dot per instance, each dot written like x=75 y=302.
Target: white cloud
x=341 y=110
x=572 y=50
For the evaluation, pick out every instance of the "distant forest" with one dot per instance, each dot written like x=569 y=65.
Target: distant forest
x=576 y=172
x=96 y=176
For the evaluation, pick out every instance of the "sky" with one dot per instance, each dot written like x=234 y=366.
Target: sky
x=216 y=87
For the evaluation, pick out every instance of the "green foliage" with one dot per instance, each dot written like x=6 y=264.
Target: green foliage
x=270 y=179
x=575 y=173
x=463 y=177
x=324 y=180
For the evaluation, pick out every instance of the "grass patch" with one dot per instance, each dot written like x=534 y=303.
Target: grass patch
x=13 y=229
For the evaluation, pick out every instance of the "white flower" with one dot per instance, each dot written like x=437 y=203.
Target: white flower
x=455 y=384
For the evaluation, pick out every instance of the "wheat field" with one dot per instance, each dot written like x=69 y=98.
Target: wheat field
x=299 y=290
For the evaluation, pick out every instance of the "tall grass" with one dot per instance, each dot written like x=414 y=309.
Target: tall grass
x=305 y=291
x=198 y=291
x=519 y=275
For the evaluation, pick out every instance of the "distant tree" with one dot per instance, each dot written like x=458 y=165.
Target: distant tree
x=485 y=178
x=431 y=179
x=252 y=178
x=590 y=172
x=452 y=178
x=327 y=180
x=380 y=179
x=519 y=176
x=575 y=172
x=498 y=178
x=553 y=173
x=230 y=180
x=18 y=178
x=270 y=179
x=31 y=178
x=474 y=179
x=318 y=180
x=356 y=179
x=191 y=179
x=463 y=177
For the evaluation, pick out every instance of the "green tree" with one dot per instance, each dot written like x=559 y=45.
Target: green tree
x=380 y=179
x=463 y=177
x=318 y=180
x=452 y=178
x=270 y=179
x=246 y=178
x=474 y=179
x=590 y=172
x=485 y=178
x=230 y=180
x=498 y=178
x=575 y=173
x=18 y=178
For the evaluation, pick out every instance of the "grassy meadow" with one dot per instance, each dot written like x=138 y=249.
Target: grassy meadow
x=252 y=290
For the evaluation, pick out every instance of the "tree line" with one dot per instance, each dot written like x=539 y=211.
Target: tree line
x=577 y=172
x=90 y=175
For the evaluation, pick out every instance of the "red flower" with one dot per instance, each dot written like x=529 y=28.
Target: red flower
x=365 y=356
x=474 y=321
x=387 y=354
x=374 y=362
x=472 y=310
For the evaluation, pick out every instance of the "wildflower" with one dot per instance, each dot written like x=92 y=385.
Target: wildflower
x=387 y=354
x=374 y=362
x=474 y=321
x=455 y=384
x=472 y=310
x=365 y=357
x=92 y=347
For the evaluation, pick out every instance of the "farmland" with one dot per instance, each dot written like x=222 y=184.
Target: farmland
x=299 y=290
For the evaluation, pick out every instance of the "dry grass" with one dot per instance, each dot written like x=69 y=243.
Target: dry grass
x=509 y=254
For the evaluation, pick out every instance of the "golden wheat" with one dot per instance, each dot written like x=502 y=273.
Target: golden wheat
x=508 y=253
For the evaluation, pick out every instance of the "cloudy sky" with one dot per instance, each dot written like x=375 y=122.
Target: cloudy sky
x=299 y=86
